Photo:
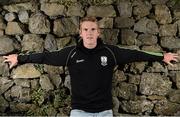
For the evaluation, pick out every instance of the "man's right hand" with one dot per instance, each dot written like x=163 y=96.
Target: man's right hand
x=11 y=60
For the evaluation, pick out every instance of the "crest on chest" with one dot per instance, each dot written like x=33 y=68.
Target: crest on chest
x=104 y=60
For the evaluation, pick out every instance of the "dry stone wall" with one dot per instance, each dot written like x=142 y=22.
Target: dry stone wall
x=139 y=88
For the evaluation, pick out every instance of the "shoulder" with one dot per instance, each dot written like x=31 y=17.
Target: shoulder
x=113 y=47
x=67 y=49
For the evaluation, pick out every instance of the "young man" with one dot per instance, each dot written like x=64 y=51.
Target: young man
x=90 y=65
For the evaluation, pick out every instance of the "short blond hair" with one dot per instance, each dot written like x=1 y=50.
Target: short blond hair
x=89 y=18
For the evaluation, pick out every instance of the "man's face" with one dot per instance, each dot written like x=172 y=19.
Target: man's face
x=89 y=32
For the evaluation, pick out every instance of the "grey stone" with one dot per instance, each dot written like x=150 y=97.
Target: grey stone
x=128 y=37
x=116 y=104
x=110 y=36
x=141 y=8
x=35 y=84
x=125 y=9
x=178 y=25
x=25 y=95
x=60 y=1
x=123 y=22
x=5 y=2
x=99 y=2
x=154 y=83
x=22 y=82
x=39 y=24
x=15 y=92
x=32 y=42
x=29 y=6
x=119 y=76
x=163 y=15
x=67 y=82
x=106 y=23
x=4 y=69
x=53 y=70
x=4 y=80
x=23 y=16
x=160 y=2
x=137 y=67
x=177 y=79
x=46 y=83
x=5 y=84
x=56 y=80
x=146 y=25
x=53 y=9
x=134 y=79
x=66 y=26
x=54 y=74
x=157 y=67
x=75 y=10
x=22 y=107
x=147 y=39
x=1 y=33
x=166 y=108
x=7 y=95
x=168 y=30
x=15 y=28
x=138 y=106
x=2 y=23
x=6 y=45
x=126 y=91
x=175 y=67
x=3 y=104
x=176 y=13
x=174 y=96
x=50 y=43
x=101 y=11
x=62 y=42
x=26 y=71
x=10 y=17
x=156 y=98
x=170 y=42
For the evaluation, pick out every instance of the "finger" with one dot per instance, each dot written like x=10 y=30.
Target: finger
x=169 y=63
x=176 y=56
x=5 y=57
x=11 y=65
x=174 y=59
x=5 y=61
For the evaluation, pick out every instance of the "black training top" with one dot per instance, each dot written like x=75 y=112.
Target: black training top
x=91 y=70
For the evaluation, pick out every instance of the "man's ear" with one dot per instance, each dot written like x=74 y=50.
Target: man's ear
x=80 y=32
x=99 y=31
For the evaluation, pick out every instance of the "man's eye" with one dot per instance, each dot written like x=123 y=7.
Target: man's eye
x=93 y=29
x=85 y=29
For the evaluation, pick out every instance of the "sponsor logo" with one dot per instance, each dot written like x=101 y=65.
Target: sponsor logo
x=80 y=61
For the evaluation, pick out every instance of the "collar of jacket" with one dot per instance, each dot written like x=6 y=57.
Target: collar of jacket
x=99 y=46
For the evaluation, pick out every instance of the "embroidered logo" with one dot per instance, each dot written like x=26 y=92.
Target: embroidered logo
x=80 y=61
x=103 y=60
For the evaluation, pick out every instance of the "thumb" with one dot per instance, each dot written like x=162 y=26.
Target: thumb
x=12 y=65
x=169 y=63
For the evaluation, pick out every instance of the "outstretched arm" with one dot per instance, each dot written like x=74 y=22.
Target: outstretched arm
x=168 y=57
x=11 y=60
x=124 y=55
x=56 y=58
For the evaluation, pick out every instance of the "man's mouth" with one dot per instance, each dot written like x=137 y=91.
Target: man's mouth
x=89 y=37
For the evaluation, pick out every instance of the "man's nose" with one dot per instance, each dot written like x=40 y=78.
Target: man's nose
x=90 y=32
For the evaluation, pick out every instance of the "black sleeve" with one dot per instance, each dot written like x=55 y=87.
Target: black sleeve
x=124 y=56
x=57 y=58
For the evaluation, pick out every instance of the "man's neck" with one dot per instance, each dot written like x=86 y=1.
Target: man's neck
x=90 y=46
